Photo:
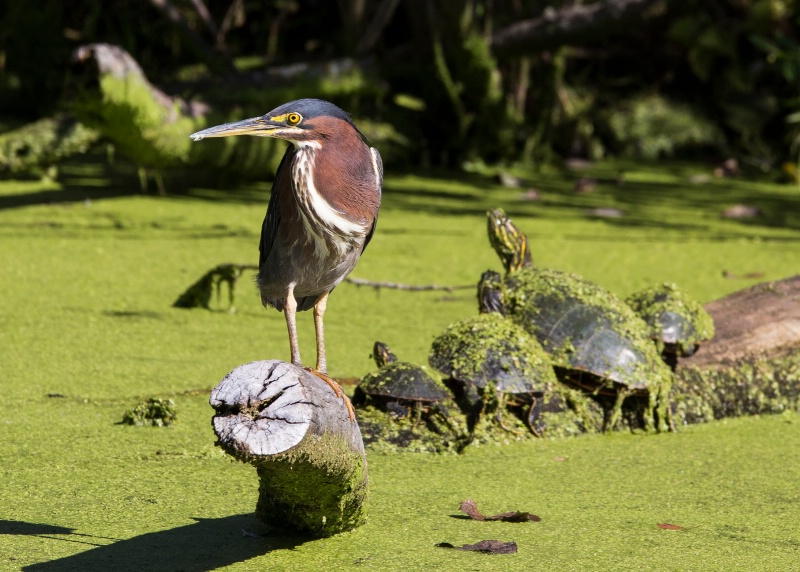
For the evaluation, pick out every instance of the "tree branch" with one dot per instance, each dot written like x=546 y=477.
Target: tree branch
x=409 y=287
x=577 y=24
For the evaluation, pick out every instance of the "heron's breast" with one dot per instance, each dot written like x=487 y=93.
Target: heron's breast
x=325 y=226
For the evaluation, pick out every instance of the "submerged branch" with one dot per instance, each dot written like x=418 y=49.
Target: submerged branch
x=408 y=287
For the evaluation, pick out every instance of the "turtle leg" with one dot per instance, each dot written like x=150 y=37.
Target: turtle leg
x=417 y=414
x=649 y=412
x=533 y=415
x=501 y=402
x=612 y=417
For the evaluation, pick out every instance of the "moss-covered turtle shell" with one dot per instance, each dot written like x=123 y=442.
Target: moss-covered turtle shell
x=403 y=381
x=491 y=349
x=585 y=329
x=675 y=319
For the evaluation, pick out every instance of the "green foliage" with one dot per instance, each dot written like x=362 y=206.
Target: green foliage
x=652 y=127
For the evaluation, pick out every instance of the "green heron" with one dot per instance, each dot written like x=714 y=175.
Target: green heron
x=322 y=210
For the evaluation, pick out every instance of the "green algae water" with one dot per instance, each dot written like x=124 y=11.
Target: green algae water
x=90 y=268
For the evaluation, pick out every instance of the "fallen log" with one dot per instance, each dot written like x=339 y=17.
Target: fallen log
x=109 y=92
x=308 y=453
x=760 y=321
x=752 y=366
x=33 y=148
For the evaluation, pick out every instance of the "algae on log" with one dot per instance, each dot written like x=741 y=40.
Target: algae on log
x=763 y=320
x=32 y=148
x=309 y=455
x=110 y=93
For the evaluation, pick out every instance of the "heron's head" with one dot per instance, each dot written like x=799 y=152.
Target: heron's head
x=302 y=122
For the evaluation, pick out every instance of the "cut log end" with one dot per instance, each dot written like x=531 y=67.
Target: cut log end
x=309 y=455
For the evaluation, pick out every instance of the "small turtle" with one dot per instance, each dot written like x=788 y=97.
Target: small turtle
x=596 y=342
x=491 y=362
x=678 y=323
x=398 y=387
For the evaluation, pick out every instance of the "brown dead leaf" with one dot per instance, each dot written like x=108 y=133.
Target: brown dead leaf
x=485 y=546
x=470 y=507
x=667 y=526
x=559 y=459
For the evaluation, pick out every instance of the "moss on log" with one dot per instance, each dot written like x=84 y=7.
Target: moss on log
x=308 y=454
x=110 y=92
x=34 y=147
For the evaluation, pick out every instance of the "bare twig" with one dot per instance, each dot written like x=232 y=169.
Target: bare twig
x=408 y=287
x=575 y=23
x=205 y=16
x=213 y=59
x=376 y=26
x=234 y=18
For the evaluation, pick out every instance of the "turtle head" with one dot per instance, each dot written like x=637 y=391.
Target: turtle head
x=490 y=293
x=382 y=354
x=509 y=242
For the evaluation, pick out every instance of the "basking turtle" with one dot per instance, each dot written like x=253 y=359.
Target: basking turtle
x=398 y=387
x=492 y=364
x=596 y=342
x=678 y=323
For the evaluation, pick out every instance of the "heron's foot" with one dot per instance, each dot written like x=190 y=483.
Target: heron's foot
x=337 y=389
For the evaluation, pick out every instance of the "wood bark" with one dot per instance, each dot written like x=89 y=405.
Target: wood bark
x=574 y=24
x=763 y=320
x=309 y=456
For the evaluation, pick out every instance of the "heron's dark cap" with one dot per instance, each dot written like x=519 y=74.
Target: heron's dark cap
x=310 y=108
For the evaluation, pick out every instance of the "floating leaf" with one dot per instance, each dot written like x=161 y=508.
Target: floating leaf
x=470 y=507
x=485 y=546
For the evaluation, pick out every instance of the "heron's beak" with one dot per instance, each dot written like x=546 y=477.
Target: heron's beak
x=254 y=126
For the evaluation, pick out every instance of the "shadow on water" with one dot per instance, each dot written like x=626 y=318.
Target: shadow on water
x=207 y=544
x=449 y=193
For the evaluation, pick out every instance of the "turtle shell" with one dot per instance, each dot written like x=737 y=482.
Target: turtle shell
x=491 y=349
x=675 y=319
x=590 y=334
x=403 y=381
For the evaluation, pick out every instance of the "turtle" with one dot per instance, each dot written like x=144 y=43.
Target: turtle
x=398 y=387
x=596 y=342
x=678 y=323
x=492 y=364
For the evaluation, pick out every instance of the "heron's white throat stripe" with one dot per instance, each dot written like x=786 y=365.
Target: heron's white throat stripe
x=318 y=215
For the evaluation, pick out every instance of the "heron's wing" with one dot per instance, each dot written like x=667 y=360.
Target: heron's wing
x=378 y=163
x=273 y=219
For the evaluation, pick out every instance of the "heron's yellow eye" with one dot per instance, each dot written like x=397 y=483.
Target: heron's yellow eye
x=293 y=118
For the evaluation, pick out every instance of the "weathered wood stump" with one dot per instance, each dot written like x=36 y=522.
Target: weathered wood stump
x=309 y=455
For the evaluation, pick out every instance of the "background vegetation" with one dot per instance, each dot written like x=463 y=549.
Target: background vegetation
x=455 y=80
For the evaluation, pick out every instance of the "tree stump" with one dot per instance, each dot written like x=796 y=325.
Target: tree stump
x=309 y=455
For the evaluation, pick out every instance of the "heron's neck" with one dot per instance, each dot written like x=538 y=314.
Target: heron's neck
x=322 y=219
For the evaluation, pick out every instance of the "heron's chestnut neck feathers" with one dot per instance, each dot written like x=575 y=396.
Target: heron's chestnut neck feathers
x=337 y=184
